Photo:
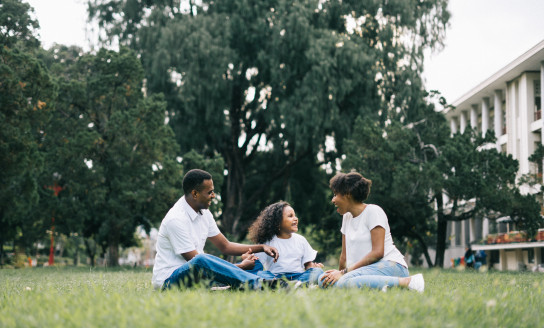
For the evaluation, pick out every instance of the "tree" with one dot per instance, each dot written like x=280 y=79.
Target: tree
x=401 y=161
x=109 y=149
x=480 y=182
x=271 y=81
x=26 y=95
x=414 y=164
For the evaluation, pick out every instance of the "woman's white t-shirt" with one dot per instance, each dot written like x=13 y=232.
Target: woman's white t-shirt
x=357 y=233
x=294 y=252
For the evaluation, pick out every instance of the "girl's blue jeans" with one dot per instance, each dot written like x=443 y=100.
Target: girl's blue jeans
x=376 y=275
x=309 y=276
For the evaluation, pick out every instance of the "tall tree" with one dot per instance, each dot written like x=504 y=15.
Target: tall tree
x=26 y=95
x=246 y=79
x=401 y=160
x=109 y=148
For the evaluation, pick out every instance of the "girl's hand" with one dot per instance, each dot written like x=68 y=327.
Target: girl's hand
x=249 y=255
x=331 y=277
x=314 y=265
x=246 y=264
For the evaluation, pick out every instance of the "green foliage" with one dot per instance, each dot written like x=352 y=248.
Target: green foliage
x=123 y=298
x=109 y=148
x=264 y=84
x=475 y=170
x=17 y=25
x=401 y=160
x=27 y=93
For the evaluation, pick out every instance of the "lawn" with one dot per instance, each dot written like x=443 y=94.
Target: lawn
x=79 y=297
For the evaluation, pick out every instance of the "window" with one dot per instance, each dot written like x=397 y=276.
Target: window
x=503 y=117
x=538 y=104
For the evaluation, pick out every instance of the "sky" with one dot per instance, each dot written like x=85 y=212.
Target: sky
x=483 y=37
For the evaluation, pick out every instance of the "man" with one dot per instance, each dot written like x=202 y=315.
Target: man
x=180 y=258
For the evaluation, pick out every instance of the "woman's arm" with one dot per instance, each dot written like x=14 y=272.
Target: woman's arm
x=377 y=236
x=342 y=261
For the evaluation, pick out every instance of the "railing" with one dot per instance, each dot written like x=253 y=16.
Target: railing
x=513 y=237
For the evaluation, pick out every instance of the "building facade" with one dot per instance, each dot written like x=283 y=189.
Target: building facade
x=508 y=104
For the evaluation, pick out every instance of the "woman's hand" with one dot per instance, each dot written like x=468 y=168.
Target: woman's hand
x=331 y=277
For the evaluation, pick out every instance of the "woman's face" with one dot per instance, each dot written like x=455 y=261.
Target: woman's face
x=342 y=203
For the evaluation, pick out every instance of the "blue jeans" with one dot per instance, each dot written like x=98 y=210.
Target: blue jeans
x=376 y=275
x=211 y=268
x=308 y=276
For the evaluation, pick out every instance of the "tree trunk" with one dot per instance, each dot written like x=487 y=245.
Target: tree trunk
x=441 y=230
x=90 y=253
x=425 y=250
x=1 y=252
x=113 y=250
x=233 y=198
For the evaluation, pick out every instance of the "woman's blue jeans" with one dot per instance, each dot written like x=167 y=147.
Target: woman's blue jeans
x=376 y=275
x=211 y=268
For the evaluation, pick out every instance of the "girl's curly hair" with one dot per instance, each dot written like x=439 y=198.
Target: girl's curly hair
x=268 y=223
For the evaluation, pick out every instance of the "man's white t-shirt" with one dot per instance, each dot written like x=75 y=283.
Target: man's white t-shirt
x=182 y=230
x=357 y=233
x=294 y=252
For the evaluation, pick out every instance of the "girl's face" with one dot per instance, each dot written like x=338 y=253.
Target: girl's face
x=342 y=203
x=289 y=223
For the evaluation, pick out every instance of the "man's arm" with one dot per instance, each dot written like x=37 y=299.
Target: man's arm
x=189 y=255
x=229 y=248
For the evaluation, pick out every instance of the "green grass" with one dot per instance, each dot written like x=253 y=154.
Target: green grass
x=79 y=297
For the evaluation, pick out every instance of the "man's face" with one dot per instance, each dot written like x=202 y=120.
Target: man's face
x=205 y=195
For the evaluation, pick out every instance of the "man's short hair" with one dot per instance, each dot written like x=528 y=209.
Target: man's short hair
x=193 y=180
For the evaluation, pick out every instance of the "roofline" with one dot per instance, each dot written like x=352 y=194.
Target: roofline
x=502 y=72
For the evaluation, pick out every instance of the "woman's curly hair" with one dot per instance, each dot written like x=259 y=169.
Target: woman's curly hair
x=268 y=223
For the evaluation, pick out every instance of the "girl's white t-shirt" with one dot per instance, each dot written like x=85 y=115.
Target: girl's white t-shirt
x=294 y=252
x=357 y=233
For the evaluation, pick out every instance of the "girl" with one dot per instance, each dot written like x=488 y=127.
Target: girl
x=276 y=226
x=369 y=258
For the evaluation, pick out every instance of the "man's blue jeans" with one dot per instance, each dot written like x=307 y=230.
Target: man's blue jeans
x=375 y=275
x=211 y=268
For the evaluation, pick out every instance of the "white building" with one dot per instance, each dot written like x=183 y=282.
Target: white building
x=510 y=104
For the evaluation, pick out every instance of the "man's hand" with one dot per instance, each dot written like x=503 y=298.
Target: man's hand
x=272 y=252
x=331 y=277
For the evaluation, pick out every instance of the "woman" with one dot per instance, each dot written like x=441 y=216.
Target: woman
x=369 y=258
